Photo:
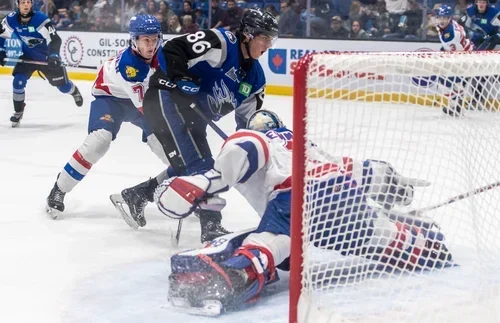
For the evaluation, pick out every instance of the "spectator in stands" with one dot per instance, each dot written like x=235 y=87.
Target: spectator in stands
x=318 y=27
x=383 y=19
x=397 y=7
x=188 y=25
x=6 y=5
x=272 y=10
x=151 y=7
x=163 y=23
x=341 y=8
x=287 y=25
x=337 y=30
x=49 y=7
x=460 y=8
x=82 y=23
x=369 y=20
x=232 y=17
x=55 y=19
x=357 y=32
x=355 y=11
x=187 y=11
x=174 y=27
x=200 y=19
x=166 y=12
x=132 y=9
x=65 y=22
x=431 y=28
x=217 y=13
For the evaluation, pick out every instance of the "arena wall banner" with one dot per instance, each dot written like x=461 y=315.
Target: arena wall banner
x=84 y=52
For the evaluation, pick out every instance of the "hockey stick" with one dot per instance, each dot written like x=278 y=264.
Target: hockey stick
x=456 y=198
x=209 y=121
x=24 y=61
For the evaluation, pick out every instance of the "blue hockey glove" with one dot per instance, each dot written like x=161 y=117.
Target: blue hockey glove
x=187 y=85
x=54 y=61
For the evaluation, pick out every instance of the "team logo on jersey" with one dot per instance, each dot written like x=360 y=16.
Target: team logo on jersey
x=245 y=89
x=223 y=101
x=277 y=60
x=31 y=29
x=131 y=72
x=73 y=51
x=231 y=37
x=232 y=74
x=107 y=118
x=447 y=35
x=31 y=41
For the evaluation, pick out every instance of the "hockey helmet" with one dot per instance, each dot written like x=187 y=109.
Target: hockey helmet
x=444 y=11
x=144 y=25
x=256 y=22
x=264 y=120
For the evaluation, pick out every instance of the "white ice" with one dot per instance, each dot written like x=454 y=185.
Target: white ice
x=88 y=265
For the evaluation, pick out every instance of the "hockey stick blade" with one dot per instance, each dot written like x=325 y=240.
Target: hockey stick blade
x=174 y=239
x=119 y=204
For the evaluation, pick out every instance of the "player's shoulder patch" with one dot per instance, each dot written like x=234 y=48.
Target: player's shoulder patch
x=132 y=68
x=231 y=37
x=39 y=19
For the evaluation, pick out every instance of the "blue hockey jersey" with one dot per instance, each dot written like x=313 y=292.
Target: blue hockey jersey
x=38 y=37
x=213 y=58
x=488 y=21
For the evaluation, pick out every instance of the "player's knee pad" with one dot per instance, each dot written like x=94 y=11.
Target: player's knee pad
x=66 y=88
x=96 y=145
x=157 y=149
x=19 y=83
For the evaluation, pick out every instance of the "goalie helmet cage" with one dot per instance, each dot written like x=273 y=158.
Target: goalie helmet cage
x=389 y=106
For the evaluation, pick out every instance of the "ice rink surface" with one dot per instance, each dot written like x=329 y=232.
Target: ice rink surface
x=89 y=266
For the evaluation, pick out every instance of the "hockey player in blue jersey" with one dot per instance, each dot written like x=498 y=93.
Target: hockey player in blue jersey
x=40 y=42
x=487 y=18
x=219 y=72
x=233 y=269
x=119 y=92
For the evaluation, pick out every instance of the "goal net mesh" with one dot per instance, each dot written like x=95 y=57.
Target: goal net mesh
x=433 y=117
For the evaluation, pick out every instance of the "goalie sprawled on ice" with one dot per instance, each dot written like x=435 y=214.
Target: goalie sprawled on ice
x=233 y=269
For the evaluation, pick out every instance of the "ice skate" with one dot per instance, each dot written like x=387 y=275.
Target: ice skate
x=55 y=201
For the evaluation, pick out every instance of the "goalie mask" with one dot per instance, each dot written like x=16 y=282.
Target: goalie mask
x=264 y=120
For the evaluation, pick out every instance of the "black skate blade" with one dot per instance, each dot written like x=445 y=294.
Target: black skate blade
x=53 y=213
x=119 y=204
x=16 y=124
x=211 y=308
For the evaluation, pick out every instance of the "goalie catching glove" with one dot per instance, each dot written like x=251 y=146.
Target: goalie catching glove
x=178 y=197
x=386 y=186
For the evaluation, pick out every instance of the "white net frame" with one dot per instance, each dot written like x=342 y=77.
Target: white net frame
x=390 y=106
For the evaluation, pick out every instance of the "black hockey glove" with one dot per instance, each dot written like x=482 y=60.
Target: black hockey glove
x=3 y=56
x=182 y=90
x=54 y=61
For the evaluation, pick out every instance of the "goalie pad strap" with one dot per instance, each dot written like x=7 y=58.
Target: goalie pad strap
x=215 y=266
x=257 y=266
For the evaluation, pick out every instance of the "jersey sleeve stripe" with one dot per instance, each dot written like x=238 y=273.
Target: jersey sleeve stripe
x=262 y=142
x=252 y=157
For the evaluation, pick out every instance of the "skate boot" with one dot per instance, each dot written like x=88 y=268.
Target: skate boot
x=211 y=227
x=18 y=114
x=137 y=197
x=55 y=201
x=77 y=96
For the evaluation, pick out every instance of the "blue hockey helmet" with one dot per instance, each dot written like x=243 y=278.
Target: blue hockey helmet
x=144 y=25
x=264 y=120
x=444 y=11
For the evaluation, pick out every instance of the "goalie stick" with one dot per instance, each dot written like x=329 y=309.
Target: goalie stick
x=456 y=198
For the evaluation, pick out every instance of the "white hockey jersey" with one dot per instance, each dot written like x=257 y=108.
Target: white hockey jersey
x=126 y=76
x=453 y=38
x=260 y=165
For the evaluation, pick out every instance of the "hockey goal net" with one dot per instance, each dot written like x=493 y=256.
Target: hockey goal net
x=432 y=116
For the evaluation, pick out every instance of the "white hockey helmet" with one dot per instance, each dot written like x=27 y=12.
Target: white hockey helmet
x=264 y=120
